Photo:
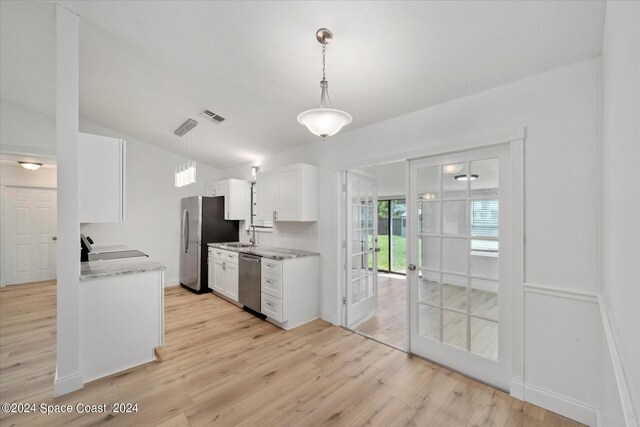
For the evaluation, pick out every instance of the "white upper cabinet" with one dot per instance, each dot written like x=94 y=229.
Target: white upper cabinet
x=289 y=193
x=237 y=197
x=265 y=196
x=101 y=178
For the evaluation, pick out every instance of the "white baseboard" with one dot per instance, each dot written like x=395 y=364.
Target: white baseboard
x=618 y=371
x=68 y=384
x=516 y=388
x=562 y=405
x=171 y=282
x=329 y=317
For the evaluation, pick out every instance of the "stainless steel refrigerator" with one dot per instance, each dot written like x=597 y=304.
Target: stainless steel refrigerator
x=202 y=223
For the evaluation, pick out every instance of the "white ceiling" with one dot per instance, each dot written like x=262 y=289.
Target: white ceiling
x=147 y=66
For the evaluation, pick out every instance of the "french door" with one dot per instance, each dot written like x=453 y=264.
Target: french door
x=361 y=231
x=458 y=256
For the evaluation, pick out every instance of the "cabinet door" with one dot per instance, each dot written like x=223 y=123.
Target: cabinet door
x=237 y=203
x=265 y=195
x=231 y=281
x=210 y=270
x=101 y=179
x=218 y=276
x=288 y=194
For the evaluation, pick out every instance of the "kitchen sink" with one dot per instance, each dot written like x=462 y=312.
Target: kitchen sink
x=238 y=245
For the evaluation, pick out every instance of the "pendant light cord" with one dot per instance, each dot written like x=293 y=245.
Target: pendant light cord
x=325 y=101
x=324 y=63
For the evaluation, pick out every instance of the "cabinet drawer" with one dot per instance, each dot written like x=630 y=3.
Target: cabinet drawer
x=272 y=285
x=228 y=256
x=272 y=307
x=270 y=266
x=216 y=253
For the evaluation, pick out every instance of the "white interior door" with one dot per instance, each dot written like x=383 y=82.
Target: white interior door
x=29 y=235
x=361 y=233
x=459 y=222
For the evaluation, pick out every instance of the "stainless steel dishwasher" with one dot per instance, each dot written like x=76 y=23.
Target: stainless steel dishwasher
x=249 y=293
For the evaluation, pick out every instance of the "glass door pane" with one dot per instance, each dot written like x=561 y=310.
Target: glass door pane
x=457 y=247
x=383 y=235
x=457 y=276
x=398 y=236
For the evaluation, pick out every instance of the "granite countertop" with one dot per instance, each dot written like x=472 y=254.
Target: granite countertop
x=114 y=267
x=266 y=251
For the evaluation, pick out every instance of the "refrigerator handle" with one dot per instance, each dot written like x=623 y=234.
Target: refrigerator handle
x=185 y=229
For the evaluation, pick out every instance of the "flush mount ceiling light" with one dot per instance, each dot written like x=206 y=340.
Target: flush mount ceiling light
x=324 y=121
x=31 y=166
x=465 y=177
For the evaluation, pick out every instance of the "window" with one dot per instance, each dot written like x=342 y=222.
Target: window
x=392 y=234
x=484 y=223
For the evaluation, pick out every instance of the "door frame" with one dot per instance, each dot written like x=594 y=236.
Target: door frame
x=515 y=139
x=3 y=221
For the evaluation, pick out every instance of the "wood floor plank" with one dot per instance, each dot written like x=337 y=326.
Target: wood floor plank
x=222 y=366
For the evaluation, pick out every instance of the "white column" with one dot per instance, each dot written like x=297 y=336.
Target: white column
x=68 y=375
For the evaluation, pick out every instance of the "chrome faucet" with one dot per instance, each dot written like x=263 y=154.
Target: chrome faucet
x=252 y=240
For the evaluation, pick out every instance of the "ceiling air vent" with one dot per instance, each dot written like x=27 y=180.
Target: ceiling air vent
x=185 y=127
x=208 y=114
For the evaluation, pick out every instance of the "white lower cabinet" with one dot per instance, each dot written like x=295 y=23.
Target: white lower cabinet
x=223 y=272
x=290 y=290
x=121 y=322
x=272 y=307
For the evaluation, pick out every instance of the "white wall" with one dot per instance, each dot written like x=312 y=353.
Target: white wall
x=26 y=130
x=13 y=174
x=561 y=112
x=152 y=220
x=621 y=185
x=390 y=178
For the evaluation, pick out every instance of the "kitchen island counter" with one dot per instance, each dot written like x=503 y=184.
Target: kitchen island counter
x=115 y=267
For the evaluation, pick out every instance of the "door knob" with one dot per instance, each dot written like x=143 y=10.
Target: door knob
x=54 y=238
x=377 y=249
x=412 y=267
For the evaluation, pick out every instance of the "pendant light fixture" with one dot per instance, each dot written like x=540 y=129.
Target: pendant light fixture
x=324 y=121
x=185 y=174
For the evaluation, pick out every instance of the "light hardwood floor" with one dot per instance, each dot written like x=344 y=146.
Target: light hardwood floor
x=222 y=366
x=389 y=323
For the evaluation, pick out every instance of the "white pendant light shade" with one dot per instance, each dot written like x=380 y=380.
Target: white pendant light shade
x=324 y=122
